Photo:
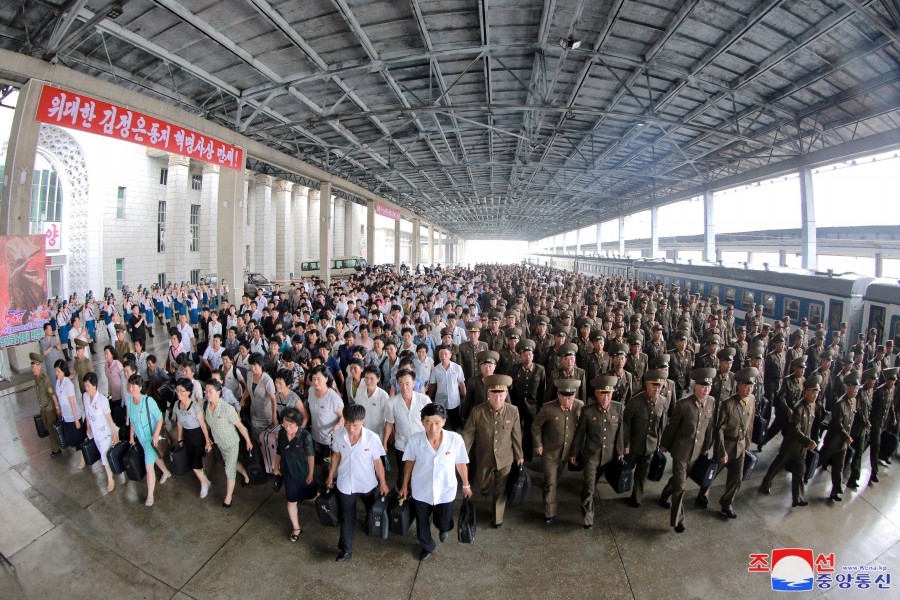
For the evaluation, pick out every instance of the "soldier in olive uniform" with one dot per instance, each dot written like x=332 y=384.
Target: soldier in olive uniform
x=709 y=359
x=656 y=344
x=789 y=396
x=583 y=341
x=862 y=424
x=50 y=412
x=680 y=361
x=724 y=383
x=494 y=337
x=597 y=362
x=565 y=324
x=838 y=438
x=643 y=423
x=82 y=365
x=734 y=429
x=883 y=416
x=543 y=341
x=495 y=430
x=624 y=380
x=553 y=431
x=688 y=434
x=661 y=363
x=447 y=342
x=476 y=392
x=794 y=352
x=774 y=370
x=469 y=349
x=559 y=340
x=122 y=345
x=508 y=356
x=527 y=392
x=567 y=370
x=741 y=348
x=636 y=362
x=598 y=440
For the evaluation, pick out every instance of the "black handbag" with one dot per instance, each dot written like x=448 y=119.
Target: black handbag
x=518 y=485
x=119 y=413
x=402 y=513
x=704 y=471
x=467 y=522
x=812 y=463
x=135 y=468
x=60 y=433
x=577 y=466
x=750 y=461
x=328 y=508
x=115 y=456
x=178 y=461
x=90 y=452
x=657 y=466
x=39 y=425
x=759 y=430
x=889 y=443
x=378 y=518
x=619 y=476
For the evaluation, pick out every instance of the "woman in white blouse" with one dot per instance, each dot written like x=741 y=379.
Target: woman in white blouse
x=325 y=410
x=71 y=410
x=100 y=425
x=374 y=398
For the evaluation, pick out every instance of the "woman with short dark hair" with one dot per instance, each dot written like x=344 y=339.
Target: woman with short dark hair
x=146 y=425
x=100 y=426
x=222 y=420
x=192 y=430
x=295 y=463
x=71 y=410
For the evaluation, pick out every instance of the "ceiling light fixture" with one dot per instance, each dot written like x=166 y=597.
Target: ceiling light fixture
x=569 y=43
x=115 y=11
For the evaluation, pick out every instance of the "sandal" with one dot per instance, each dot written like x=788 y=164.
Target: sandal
x=293 y=537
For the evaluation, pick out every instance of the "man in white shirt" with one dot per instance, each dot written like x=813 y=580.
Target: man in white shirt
x=447 y=385
x=212 y=358
x=187 y=334
x=403 y=417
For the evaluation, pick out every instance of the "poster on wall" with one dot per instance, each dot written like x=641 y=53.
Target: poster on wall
x=23 y=289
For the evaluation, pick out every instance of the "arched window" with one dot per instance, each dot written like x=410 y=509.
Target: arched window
x=46 y=195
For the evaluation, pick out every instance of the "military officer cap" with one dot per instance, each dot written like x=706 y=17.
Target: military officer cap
x=514 y=333
x=814 y=381
x=879 y=348
x=871 y=374
x=635 y=318
x=635 y=338
x=36 y=359
x=713 y=339
x=820 y=334
x=851 y=379
x=120 y=327
x=741 y=328
x=511 y=313
x=847 y=360
x=619 y=349
x=604 y=383
x=799 y=363
x=726 y=354
x=680 y=336
x=891 y=373
x=756 y=352
x=524 y=345
x=562 y=306
x=567 y=387
x=81 y=343
x=703 y=376
x=655 y=376
x=619 y=325
x=778 y=338
x=542 y=320
x=567 y=350
x=473 y=326
x=657 y=327
x=584 y=322
x=498 y=383
x=747 y=375
x=798 y=334
x=597 y=335
x=660 y=362
x=565 y=315
x=487 y=356
x=446 y=331
x=559 y=331
x=494 y=315
x=826 y=355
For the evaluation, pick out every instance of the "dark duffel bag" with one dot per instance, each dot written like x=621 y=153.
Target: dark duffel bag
x=657 y=466
x=60 y=433
x=178 y=461
x=759 y=430
x=889 y=443
x=253 y=463
x=704 y=471
x=750 y=461
x=115 y=456
x=119 y=413
x=41 y=428
x=467 y=523
x=135 y=468
x=90 y=452
x=378 y=518
x=328 y=508
x=403 y=513
x=518 y=485
x=619 y=476
x=812 y=463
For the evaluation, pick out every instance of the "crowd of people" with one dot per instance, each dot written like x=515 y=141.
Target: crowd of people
x=448 y=376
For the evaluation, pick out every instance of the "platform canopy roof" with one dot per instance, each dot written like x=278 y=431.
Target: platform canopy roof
x=501 y=118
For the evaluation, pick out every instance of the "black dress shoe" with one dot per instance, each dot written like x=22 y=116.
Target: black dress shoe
x=836 y=497
x=496 y=525
x=801 y=503
x=874 y=478
x=729 y=513
x=443 y=536
x=343 y=557
x=549 y=520
x=227 y=504
x=765 y=489
x=852 y=485
x=634 y=503
x=588 y=527
x=665 y=503
x=702 y=501
x=759 y=448
x=680 y=528
x=56 y=453
x=424 y=555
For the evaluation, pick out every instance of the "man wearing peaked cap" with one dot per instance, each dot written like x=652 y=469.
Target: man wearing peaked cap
x=680 y=362
x=527 y=392
x=883 y=417
x=469 y=350
x=774 y=369
x=625 y=383
x=494 y=336
x=795 y=351
x=583 y=339
x=798 y=440
x=862 y=423
x=789 y=396
x=708 y=358
x=724 y=383
x=543 y=340
x=687 y=436
x=567 y=370
x=49 y=407
x=495 y=430
x=837 y=438
x=553 y=431
x=643 y=422
x=598 y=440
x=734 y=428
x=122 y=345
x=476 y=391
x=636 y=361
x=509 y=355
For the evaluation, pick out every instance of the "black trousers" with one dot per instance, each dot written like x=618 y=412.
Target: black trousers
x=454 y=419
x=440 y=514
x=347 y=502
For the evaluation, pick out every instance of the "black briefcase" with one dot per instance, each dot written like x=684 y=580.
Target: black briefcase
x=90 y=452
x=518 y=485
x=704 y=471
x=750 y=461
x=759 y=430
x=41 y=428
x=115 y=456
x=812 y=463
x=378 y=518
x=657 y=466
x=178 y=461
x=119 y=413
x=328 y=508
x=253 y=463
x=619 y=475
x=576 y=466
x=889 y=443
x=135 y=468
x=60 y=434
x=849 y=455
x=402 y=513
x=467 y=523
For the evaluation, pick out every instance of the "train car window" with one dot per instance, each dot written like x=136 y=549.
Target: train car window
x=835 y=314
x=815 y=314
x=896 y=330
x=748 y=299
x=768 y=304
x=792 y=308
x=876 y=318
x=687 y=286
x=729 y=295
x=700 y=288
x=713 y=290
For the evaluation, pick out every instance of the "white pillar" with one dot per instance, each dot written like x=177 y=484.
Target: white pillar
x=709 y=227
x=312 y=221
x=430 y=244
x=416 y=242
x=247 y=220
x=300 y=212
x=622 y=236
x=654 y=232
x=178 y=220
x=263 y=242
x=231 y=198
x=397 y=244
x=209 y=200
x=338 y=225
x=355 y=233
x=284 y=230
x=370 y=232
x=808 y=220
x=578 y=242
x=325 y=231
x=599 y=245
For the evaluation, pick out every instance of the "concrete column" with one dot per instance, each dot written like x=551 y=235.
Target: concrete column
x=415 y=256
x=397 y=243
x=353 y=235
x=284 y=230
x=209 y=200
x=370 y=232
x=622 y=236
x=231 y=201
x=599 y=244
x=178 y=220
x=263 y=242
x=248 y=220
x=339 y=227
x=430 y=244
x=718 y=254
x=325 y=231
x=808 y=220
x=673 y=254
x=879 y=265
x=300 y=212
x=578 y=242
x=654 y=232
x=749 y=258
x=782 y=258
x=709 y=227
x=313 y=226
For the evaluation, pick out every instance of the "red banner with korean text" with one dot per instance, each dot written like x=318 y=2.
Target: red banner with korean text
x=78 y=111
x=388 y=212
x=23 y=289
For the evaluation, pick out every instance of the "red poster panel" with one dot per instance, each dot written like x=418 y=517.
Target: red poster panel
x=77 y=111
x=388 y=212
x=23 y=289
